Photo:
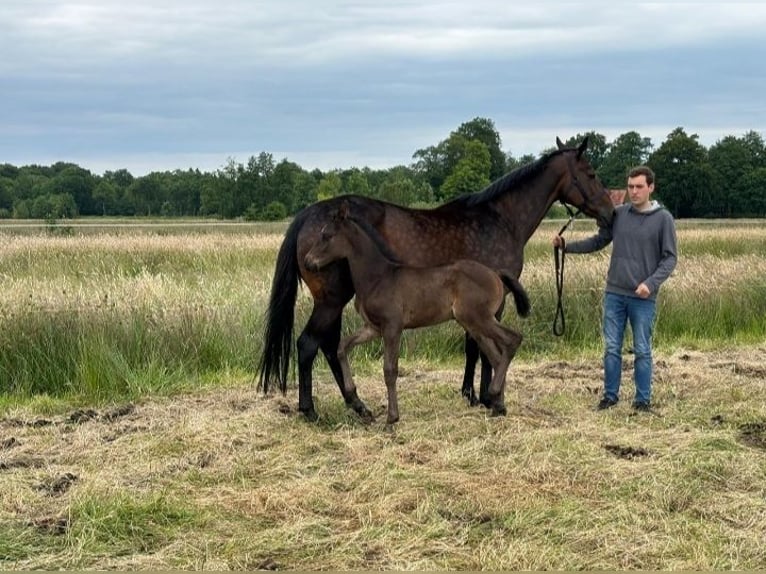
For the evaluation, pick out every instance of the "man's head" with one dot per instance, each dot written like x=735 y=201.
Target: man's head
x=640 y=186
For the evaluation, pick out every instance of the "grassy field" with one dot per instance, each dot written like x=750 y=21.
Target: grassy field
x=131 y=436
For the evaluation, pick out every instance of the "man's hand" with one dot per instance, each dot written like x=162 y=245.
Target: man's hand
x=558 y=241
x=643 y=291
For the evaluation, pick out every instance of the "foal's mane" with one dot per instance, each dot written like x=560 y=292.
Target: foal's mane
x=374 y=235
x=502 y=184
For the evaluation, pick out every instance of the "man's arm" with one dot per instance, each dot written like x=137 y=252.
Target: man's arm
x=594 y=243
x=668 y=256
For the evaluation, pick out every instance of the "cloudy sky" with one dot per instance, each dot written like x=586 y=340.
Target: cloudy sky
x=174 y=84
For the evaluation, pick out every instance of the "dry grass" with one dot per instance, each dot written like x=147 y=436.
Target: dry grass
x=227 y=479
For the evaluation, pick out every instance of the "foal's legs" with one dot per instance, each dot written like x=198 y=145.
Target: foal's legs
x=472 y=354
x=366 y=333
x=391 y=340
x=499 y=344
x=322 y=329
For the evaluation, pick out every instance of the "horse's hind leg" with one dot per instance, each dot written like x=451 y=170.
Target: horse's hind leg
x=486 y=365
x=508 y=342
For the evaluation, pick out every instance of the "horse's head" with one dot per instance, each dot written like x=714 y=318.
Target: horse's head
x=333 y=243
x=582 y=188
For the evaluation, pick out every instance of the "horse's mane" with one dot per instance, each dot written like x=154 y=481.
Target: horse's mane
x=374 y=235
x=502 y=184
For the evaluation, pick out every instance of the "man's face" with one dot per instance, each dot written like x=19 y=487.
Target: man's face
x=638 y=190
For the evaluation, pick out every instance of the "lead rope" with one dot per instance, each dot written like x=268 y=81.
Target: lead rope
x=559 y=322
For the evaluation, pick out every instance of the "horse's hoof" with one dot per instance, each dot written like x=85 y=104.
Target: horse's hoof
x=311 y=415
x=499 y=411
x=389 y=428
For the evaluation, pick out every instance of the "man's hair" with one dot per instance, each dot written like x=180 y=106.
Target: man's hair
x=643 y=170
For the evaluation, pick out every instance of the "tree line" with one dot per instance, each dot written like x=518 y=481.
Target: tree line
x=726 y=180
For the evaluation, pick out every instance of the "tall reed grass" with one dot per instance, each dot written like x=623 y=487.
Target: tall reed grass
x=101 y=316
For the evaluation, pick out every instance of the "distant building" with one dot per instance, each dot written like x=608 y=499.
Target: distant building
x=618 y=196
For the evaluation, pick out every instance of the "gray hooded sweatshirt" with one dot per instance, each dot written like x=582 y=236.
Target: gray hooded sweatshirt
x=644 y=251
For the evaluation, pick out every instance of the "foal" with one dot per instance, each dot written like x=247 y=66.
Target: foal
x=391 y=297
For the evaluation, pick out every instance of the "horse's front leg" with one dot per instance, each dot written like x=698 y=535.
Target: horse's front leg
x=486 y=377
x=366 y=333
x=471 y=356
x=322 y=330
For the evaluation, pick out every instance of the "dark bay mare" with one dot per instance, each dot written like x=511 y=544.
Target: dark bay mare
x=491 y=227
x=391 y=297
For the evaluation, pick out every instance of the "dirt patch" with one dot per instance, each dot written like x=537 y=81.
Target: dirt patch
x=753 y=434
x=54 y=525
x=81 y=416
x=58 y=485
x=21 y=462
x=9 y=443
x=37 y=423
x=78 y=416
x=750 y=370
x=118 y=412
x=85 y=415
x=626 y=452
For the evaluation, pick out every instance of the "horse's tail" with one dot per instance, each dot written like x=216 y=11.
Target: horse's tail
x=520 y=296
x=280 y=316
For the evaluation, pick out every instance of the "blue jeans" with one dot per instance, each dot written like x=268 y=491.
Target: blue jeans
x=618 y=310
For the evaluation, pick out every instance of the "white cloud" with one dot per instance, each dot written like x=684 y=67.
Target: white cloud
x=341 y=83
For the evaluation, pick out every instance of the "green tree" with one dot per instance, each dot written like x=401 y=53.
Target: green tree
x=330 y=186
x=105 y=196
x=732 y=159
x=751 y=196
x=512 y=163
x=471 y=173
x=483 y=130
x=684 y=177
x=398 y=189
x=597 y=147
x=77 y=182
x=626 y=151
x=356 y=183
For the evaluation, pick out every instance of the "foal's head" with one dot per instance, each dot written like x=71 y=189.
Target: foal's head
x=333 y=243
x=346 y=237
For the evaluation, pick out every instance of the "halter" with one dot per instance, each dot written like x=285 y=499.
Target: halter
x=559 y=322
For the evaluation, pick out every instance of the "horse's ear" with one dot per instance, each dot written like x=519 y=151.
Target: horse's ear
x=559 y=143
x=582 y=147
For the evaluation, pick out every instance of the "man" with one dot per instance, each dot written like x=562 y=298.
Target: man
x=643 y=256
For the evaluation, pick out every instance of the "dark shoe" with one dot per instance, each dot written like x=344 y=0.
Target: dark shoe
x=605 y=403
x=642 y=407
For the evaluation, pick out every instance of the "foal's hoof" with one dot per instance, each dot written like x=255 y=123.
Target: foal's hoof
x=499 y=411
x=367 y=418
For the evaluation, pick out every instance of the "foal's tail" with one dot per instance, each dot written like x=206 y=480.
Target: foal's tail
x=520 y=296
x=278 y=331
